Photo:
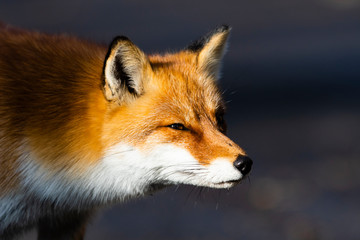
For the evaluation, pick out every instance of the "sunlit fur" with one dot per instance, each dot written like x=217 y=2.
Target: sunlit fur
x=73 y=137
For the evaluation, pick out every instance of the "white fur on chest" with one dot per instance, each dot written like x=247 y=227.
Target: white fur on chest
x=124 y=172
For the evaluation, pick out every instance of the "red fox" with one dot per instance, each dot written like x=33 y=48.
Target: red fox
x=84 y=125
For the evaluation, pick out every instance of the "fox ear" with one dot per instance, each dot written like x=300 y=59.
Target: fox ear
x=210 y=50
x=123 y=71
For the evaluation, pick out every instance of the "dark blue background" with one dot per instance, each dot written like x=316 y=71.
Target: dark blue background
x=292 y=79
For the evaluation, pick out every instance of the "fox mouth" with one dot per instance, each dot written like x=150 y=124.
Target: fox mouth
x=156 y=187
x=233 y=181
x=225 y=184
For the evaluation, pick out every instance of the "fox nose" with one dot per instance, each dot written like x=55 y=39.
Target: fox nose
x=243 y=164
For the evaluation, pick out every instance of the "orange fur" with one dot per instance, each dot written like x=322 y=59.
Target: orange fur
x=46 y=103
x=59 y=103
x=83 y=125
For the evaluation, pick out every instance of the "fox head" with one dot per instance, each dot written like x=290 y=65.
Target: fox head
x=165 y=120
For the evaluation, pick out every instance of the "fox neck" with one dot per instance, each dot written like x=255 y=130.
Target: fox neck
x=113 y=179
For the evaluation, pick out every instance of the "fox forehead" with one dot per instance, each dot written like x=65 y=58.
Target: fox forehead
x=182 y=88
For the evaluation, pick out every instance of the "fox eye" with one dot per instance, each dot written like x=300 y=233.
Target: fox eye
x=177 y=126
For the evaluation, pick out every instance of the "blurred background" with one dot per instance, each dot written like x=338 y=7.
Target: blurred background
x=292 y=81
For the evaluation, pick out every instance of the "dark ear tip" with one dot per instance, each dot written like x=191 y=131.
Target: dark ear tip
x=223 y=28
x=112 y=45
x=118 y=39
x=200 y=43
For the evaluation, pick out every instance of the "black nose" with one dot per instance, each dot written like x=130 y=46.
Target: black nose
x=243 y=164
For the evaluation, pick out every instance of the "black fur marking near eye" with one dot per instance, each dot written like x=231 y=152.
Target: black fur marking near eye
x=200 y=43
x=221 y=123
